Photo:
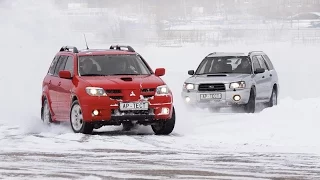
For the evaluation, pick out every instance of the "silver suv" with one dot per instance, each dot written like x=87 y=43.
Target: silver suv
x=232 y=80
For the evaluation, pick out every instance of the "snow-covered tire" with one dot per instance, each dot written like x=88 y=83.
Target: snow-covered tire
x=165 y=127
x=45 y=113
x=78 y=125
x=273 y=99
x=250 y=107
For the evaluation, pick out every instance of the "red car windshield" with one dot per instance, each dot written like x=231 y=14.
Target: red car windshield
x=106 y=65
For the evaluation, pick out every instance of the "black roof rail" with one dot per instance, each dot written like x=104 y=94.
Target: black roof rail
x=69 y=48
x=118 y=47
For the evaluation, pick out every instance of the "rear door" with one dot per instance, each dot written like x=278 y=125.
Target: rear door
x=64 y=93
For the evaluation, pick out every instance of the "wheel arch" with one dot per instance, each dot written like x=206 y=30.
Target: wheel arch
x=43 y=98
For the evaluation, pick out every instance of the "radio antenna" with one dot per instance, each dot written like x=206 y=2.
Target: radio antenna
x=85 y=39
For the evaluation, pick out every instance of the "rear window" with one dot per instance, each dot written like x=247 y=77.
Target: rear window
x=106 y=65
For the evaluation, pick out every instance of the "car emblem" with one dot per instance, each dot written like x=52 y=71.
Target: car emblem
x=211 y=87
x=132 y=93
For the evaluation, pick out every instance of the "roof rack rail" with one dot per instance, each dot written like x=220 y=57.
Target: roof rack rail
x=118 y=47
x=69 y=48
x=254 y=52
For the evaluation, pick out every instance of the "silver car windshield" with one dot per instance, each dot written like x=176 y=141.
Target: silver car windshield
x=226 y=65
x=107 y=65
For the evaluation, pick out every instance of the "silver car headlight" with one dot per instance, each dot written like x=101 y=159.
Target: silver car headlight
x=238 y=85
x=189 y=86
x=95 y=91
x=162 y=90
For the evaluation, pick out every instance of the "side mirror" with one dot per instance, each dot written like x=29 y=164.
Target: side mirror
x=160 y=72
x=65 y=74
x=191 y=72
x=259 y=70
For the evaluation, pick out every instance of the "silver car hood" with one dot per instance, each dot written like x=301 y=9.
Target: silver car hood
x=217 y=78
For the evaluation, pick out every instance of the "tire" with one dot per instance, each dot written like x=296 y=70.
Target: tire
x=78 y=125
x=45 y=113
x=165 y=127
x=273 y=99
x=250 y=107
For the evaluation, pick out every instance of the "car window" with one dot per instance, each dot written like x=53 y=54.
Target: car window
x=268 y=61
x=112 y=65
x=225 y=64
x=255 y=63
x=262 y=63
x=53 y=65
x=69 y=65
x=60 y=65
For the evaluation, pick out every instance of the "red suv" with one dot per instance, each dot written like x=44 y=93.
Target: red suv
x=93 y=88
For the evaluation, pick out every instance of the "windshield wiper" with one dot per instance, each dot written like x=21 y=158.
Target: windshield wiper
x=214 y=73
x=93 y=75
x=121 y=74
x=224 y=73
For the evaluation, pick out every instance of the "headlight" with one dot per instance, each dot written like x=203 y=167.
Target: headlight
x=162 y=90
x=188 y=86
x=238 y=85
x=95 y=91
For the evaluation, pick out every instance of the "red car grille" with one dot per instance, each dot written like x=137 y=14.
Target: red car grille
x=116 y=94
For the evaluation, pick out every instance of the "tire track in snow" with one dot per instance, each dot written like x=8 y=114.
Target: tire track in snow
x=115 y=163
x=150 y=157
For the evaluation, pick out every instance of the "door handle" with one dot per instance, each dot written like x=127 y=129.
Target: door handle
x=50 y=82
x=59 y=83
x=262 y=76
x=270 y=75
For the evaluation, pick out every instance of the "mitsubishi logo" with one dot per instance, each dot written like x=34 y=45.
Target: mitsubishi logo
x=132 y=93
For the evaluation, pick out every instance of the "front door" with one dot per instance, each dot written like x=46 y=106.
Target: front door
x=259 y=79
x=56 y=87
x=64 y=93
x=267 y=82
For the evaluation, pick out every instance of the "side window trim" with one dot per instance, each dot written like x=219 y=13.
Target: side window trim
x=268 y=61
x=55 y=61
x=62 y=58
x=260 y=58
x=72 y=64
x=255 y=56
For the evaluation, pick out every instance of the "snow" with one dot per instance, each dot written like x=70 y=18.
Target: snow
x=276 y=142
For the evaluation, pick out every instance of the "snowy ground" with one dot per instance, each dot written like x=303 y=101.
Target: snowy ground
x=276 y=143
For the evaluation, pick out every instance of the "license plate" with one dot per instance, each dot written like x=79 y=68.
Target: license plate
x=210 y=96
x=134 y=106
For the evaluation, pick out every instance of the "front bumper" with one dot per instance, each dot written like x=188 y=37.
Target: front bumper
x=109 y=109
x=192 y=98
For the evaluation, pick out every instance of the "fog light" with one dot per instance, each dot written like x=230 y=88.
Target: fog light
x=165 y=111
x=236 y=97
x=188 y=99
x=95 y=112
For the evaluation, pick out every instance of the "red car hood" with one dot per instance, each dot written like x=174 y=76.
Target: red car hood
x=124 y=82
